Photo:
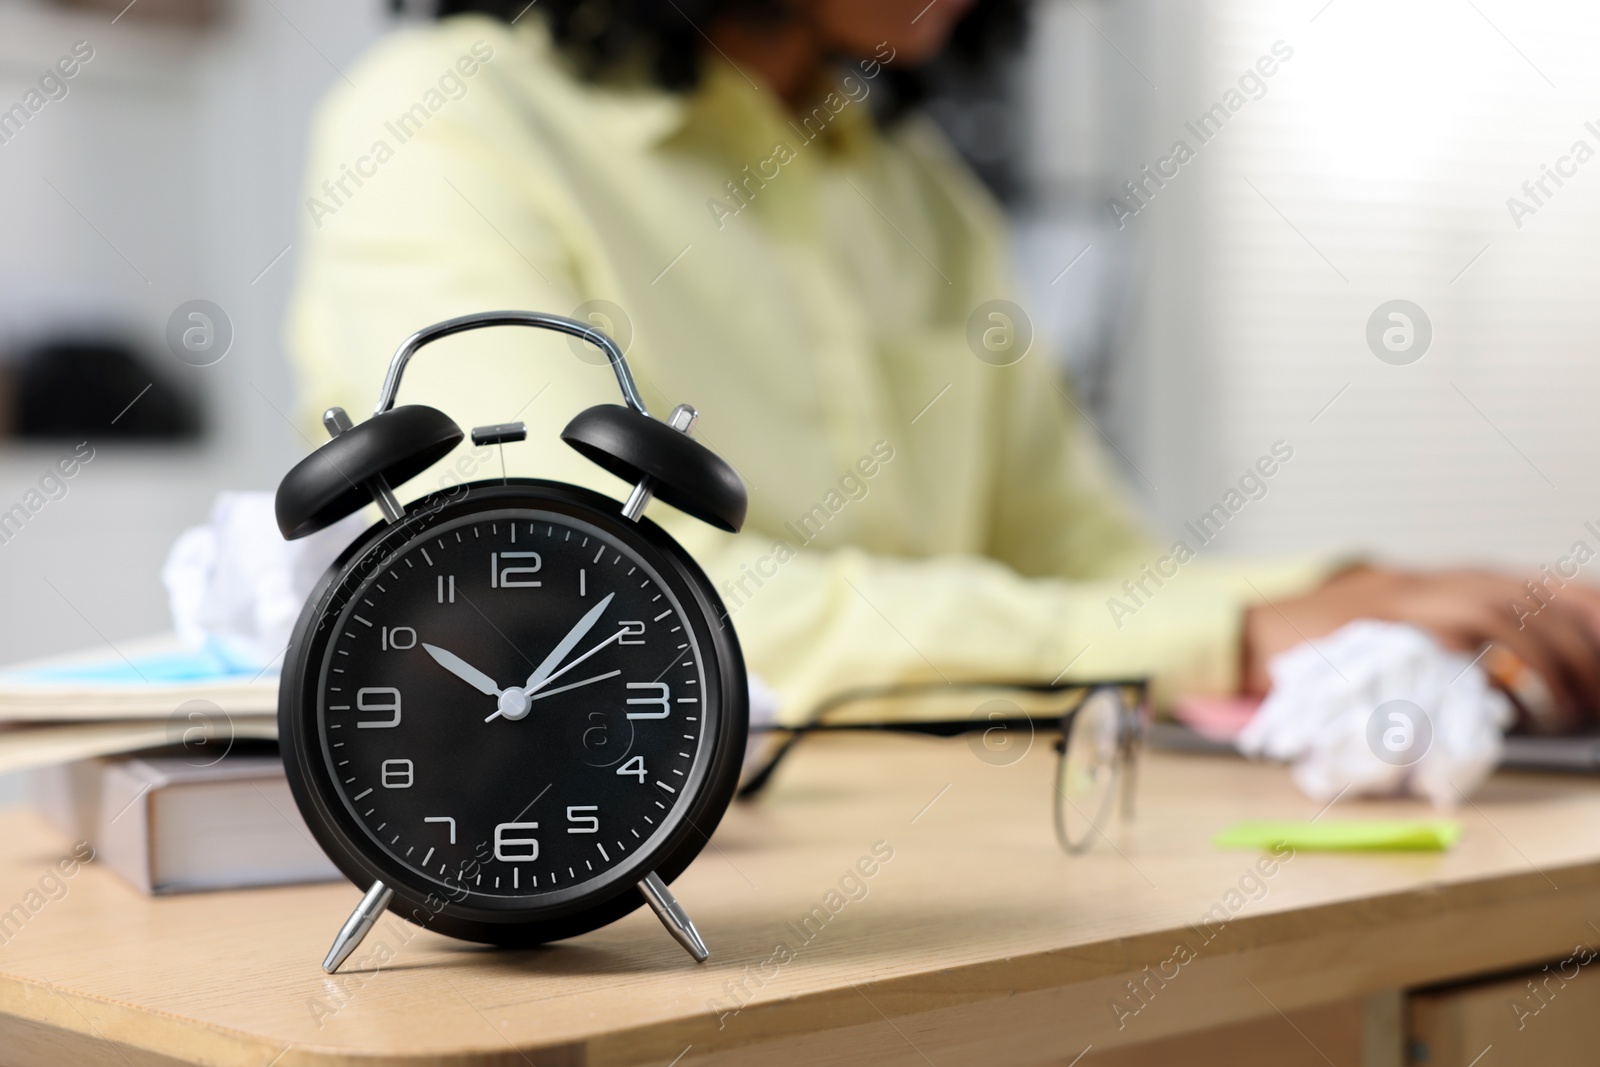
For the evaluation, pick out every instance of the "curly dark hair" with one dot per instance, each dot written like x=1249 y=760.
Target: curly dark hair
x=601 y=35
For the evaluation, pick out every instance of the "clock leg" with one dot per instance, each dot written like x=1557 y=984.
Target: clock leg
x=673 y=917
x=359 y=924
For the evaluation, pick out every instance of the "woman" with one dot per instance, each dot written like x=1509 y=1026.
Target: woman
x=709 y=182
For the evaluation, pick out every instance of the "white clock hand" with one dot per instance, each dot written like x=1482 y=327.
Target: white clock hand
x=614 y=637
x=574 y=685
x=542 y=672
x=463 y=670
x=561 y=689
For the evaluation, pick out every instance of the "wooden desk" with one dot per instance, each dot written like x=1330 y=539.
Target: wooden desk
x=977 y=943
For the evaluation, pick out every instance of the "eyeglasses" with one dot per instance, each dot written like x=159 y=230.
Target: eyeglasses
x=1101 y=727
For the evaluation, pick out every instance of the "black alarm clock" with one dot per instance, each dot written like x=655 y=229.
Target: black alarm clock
x=515 y=709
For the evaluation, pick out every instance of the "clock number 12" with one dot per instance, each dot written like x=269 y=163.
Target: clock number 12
x=501 y=577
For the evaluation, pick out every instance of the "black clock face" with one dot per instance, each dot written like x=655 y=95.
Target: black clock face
x=514 y=708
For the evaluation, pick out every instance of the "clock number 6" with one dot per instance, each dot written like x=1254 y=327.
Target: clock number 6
x=502 y=842
x=663 y=697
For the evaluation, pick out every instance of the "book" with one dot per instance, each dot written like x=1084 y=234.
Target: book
x=140 y=680
x=142 y=695
x=25 y=747
x=185 y=823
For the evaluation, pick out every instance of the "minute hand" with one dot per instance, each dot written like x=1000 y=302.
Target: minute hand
x=567 y=644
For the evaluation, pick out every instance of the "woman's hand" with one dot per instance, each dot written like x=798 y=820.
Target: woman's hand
x=1462 y=609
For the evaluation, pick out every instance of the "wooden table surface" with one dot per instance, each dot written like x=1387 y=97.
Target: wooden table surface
x=978 y=942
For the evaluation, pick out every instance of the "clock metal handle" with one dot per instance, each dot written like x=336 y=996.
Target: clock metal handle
x=336 y=421
x=536 y=319
x=683 y=420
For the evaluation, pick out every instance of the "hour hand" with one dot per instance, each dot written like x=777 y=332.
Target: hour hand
x=463 y=670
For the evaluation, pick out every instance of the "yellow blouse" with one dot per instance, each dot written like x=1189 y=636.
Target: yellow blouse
x=916 y=513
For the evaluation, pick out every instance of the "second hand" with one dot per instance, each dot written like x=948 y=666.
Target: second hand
x=553 y=676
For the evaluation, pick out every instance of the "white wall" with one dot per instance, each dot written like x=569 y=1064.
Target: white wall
x=1376 y=166
x=1394 y=159
x=184 y=151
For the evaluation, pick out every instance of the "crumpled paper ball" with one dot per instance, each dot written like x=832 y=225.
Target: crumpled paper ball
x=236 y=587
x=1380 y=708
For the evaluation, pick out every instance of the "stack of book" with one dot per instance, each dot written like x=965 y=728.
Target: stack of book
x=165 y=760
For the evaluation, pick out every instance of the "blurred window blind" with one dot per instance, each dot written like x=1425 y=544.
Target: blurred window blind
x=1377 y=165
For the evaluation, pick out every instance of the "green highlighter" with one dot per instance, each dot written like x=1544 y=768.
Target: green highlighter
x=1343 y=835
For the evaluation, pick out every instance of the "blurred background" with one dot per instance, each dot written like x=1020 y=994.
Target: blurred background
x=1202 y=318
